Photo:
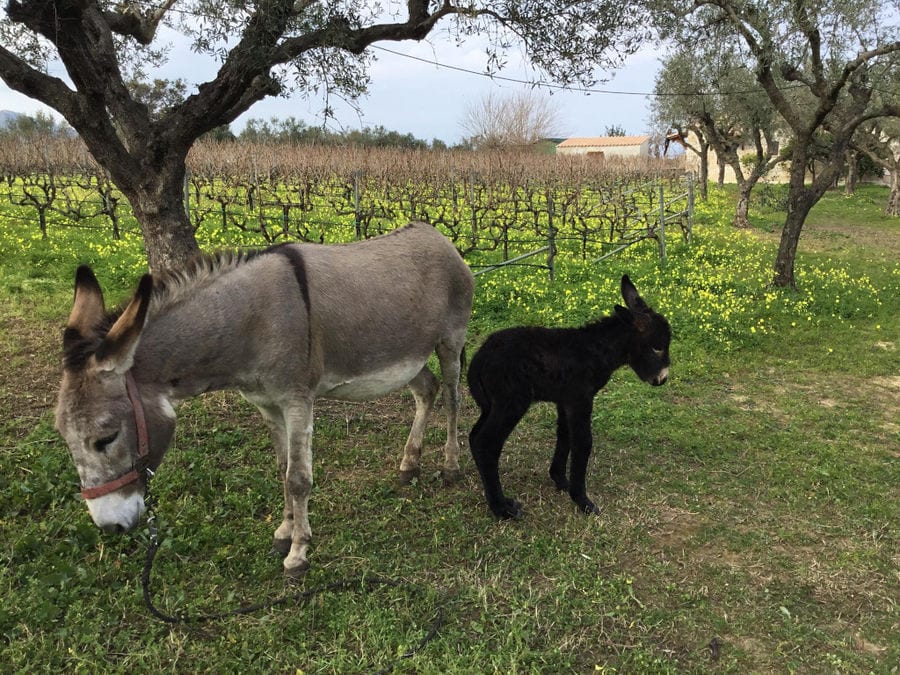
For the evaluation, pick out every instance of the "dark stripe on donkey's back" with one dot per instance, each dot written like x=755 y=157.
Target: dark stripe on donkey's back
x=298 y=264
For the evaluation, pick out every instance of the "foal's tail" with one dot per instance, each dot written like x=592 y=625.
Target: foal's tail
x=476 y=385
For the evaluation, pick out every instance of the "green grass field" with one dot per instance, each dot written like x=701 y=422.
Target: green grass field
x=749 y=509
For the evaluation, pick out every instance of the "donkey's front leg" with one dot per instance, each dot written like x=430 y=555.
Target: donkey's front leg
x=278 y=431
x=578 y=415
x=298 y=481
x=561 y=454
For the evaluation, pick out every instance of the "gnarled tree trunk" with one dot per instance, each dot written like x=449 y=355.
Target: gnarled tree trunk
x=742 y=211
x=892 y=208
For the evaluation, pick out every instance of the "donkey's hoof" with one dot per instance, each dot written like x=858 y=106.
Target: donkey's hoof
x=408 y=476
x=451 y=476
x=589 y=507
x=296 y=571
x=281 y=547
x=509 y=509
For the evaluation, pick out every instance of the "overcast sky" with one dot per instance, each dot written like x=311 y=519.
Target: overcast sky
x=413 y=95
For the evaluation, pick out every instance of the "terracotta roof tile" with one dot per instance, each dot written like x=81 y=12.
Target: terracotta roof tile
x=603 y=141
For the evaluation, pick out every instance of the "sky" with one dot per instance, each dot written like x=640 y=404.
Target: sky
x=408 y=93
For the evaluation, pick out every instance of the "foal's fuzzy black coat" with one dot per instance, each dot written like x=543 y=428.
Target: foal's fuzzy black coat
x=567 y=366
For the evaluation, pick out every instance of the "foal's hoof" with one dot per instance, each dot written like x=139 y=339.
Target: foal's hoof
x=281 y=547
x=451 y=476
x=297 y=571
x=589 y=507
x=509 y=509
x=407 y=477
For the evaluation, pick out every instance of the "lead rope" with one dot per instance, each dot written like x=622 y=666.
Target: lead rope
x=367 y=582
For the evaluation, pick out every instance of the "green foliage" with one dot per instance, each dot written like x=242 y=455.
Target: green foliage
x=291 y=130
x=40 y=125
x=747 y=507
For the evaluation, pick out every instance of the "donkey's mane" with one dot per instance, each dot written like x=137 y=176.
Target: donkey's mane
x=174 y=286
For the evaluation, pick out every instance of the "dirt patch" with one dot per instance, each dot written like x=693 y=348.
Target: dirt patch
x=838 y=237
x=29 y=375
x=674 y=528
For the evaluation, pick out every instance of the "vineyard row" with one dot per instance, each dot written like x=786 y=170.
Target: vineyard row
x=508 y=205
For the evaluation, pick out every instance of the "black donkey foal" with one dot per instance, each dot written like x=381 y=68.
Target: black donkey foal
x=568 y=366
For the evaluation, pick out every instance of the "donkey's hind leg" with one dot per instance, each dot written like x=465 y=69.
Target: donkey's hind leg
x=486 y=443
x=424 y=387
x=450 y=357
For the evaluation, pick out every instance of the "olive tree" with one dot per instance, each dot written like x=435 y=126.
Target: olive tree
x=709 y=90
x=820 y=63
x=880 y=141
x=262 y=48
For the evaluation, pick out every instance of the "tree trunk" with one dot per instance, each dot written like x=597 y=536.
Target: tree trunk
x=800 y=201
x=741 y=214
x=852 y=173
x=704 y=170
x=158 y=205
x=721 y=180
x=892 y=208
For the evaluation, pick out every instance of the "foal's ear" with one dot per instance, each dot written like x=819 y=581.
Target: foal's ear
x=116 y=352
x=630 y=294
x=88 y=309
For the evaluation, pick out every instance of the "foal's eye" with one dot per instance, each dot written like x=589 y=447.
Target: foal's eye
x=102 y=444
x=659 y=352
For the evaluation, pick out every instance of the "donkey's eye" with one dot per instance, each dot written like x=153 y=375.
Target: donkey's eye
x=659 y=352
x=102 y=444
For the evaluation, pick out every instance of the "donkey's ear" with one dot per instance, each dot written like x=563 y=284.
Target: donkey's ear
x=116 y=352
x=630 y=294
x=87 y=310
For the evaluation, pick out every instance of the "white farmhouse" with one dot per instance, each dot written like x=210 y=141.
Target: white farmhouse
x=606 y=146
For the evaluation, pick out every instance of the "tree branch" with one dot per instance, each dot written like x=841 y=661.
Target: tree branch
x=811 y=31
x=142 y=27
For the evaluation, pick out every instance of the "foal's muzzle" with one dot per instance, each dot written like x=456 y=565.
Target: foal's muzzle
x=660 y=378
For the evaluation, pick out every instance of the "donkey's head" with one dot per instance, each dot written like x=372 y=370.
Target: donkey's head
x=648 y=350
x=94 y=413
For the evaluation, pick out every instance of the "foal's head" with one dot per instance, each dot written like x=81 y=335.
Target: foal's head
x=94 y=413
x=648 y=351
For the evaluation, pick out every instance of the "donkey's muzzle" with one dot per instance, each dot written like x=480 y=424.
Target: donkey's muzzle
x=116 y=513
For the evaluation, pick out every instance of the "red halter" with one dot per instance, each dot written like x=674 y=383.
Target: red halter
x=143 y=449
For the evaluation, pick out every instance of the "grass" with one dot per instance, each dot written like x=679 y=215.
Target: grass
x=748 y=517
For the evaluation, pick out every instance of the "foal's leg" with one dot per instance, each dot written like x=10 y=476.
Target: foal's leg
x=449 y=357
x=493 y=428
x=298 y=482
x=578 y=415
x=561 y=455
x=424 y=388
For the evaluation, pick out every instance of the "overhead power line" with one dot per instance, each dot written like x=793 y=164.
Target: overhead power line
x=586 y=90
